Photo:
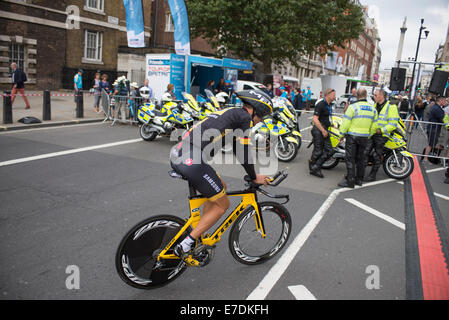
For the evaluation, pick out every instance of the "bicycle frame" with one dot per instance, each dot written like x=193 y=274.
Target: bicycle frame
x=249 y=199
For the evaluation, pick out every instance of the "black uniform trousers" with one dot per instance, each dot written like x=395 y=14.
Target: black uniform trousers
x=322 y=148
x=376 y=143
x=355 y=157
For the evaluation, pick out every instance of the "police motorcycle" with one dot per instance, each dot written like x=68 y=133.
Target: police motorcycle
x=289 y=112
x=192 y=107
x=171 y=117
x=287 y=139
x=211 y=105
x=397 y=162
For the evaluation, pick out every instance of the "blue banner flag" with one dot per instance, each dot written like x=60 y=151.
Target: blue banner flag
x=134 y=23
x=181 y=23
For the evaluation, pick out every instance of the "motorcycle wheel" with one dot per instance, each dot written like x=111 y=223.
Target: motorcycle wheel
x=395 y=171
x=287 y=154
x=146 y=134
x=331 y=163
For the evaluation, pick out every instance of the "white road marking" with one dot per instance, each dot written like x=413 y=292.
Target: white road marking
x=301 y=293
x=66 y=152
x=376 y=213
x=276 y=271
x=441 y=196
x=66 y=126
x=270 y=279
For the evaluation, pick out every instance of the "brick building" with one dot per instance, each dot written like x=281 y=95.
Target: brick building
x=50 y=40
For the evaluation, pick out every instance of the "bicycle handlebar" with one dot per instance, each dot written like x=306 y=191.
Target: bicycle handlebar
x=282 y=174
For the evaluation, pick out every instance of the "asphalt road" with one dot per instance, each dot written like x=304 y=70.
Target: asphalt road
x=73 y=208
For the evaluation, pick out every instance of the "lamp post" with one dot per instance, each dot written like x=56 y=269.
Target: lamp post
x=413 y=86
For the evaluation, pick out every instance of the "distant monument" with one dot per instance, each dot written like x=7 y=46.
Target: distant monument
x=401 y=41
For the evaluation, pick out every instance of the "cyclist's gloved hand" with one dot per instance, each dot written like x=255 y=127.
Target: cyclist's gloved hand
x=262 y=179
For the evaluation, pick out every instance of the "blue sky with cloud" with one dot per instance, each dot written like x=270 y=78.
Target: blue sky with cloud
x=389 y=15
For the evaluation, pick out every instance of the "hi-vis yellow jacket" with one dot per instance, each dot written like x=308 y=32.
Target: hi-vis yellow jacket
x=359 y=119
x=388 y=120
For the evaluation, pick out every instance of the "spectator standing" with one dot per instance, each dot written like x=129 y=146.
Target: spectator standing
x=351 y=99
x=436 y=116
x=430 y=101
x=104 y=84
x=97 y=92
x=284 y=93
x=146 y=92
x=419 y=108
x=121 y=93
x=308 y=98
x=133 y=102
x=210 y=86
x=171 y=90
x=297 y=101
x=78 y=85
x=269 y=90
x=18 y=84
x=404 y=107
x=221 y=86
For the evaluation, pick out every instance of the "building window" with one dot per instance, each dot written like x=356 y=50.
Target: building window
x=93 y=45
x=17 y=55
x=169 y=26
x=95 y=4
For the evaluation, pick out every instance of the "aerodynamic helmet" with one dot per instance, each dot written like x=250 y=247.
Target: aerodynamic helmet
x=257 y=99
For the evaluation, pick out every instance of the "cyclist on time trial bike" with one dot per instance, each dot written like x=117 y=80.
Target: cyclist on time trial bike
x=189 y=157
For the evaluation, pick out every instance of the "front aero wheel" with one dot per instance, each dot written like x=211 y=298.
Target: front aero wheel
x=248 y=246
x=136 y=258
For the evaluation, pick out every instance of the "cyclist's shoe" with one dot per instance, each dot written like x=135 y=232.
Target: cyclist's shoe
x=179 y=251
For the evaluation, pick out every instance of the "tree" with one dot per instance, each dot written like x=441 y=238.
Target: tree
x=273 y=31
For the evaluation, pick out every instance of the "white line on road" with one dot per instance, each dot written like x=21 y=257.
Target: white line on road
x=376 y=213
x=275 y=273
x=301 y=293
x=441 y=196
x=268 y=282
x=66 y=152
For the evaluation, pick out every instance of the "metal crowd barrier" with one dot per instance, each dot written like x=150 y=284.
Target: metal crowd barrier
x=121 y=109
x=424 y=134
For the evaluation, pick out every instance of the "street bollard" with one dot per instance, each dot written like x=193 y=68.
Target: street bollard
x=79 y=104
x=7 y=107
x=46 y=106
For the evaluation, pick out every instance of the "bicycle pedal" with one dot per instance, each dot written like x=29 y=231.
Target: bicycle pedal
x=191 y=262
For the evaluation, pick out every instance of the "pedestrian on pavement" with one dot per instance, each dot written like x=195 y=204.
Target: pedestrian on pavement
x=97 y=92
x=387 y=122
x=322 y=146
x=18 y=84
x=78 y=85
x=436 y=117
x=308 y=98
x=357 y=126
x=104 y=84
